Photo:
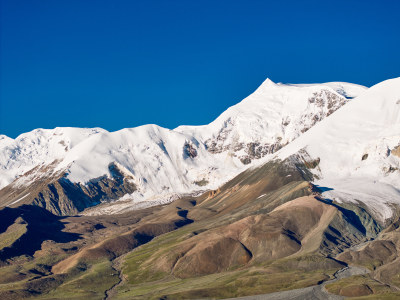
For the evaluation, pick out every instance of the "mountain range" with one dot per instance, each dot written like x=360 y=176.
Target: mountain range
x=160 y=164
x=290 y=187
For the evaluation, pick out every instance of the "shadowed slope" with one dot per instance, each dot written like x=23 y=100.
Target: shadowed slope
x=41 y=225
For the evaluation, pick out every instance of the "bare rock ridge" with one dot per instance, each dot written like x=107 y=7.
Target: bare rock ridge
x=60 y=196
x=320 y=105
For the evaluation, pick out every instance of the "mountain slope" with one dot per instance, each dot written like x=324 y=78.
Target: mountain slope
x=357 y=148
x=252 y=235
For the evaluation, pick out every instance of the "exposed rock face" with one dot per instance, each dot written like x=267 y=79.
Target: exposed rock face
x=59 y=195
x=256 y=151
x=190 y=150
x=326 y=103
x=320 y=105
x=396 y=151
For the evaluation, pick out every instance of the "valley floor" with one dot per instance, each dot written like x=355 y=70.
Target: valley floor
x=316 y=292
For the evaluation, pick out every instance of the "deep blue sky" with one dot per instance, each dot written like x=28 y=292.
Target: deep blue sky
x=116 y=64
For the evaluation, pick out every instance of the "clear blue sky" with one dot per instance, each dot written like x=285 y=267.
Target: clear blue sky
x=116 y=64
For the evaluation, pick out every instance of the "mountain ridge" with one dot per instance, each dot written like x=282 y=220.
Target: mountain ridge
x=165 y=163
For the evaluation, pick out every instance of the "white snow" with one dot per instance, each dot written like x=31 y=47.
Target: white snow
x=369 y=124
x=348 y=90
x=40 y=146
x=273 y=114
x=153 y=155
x=378 y=196
x=5 y=141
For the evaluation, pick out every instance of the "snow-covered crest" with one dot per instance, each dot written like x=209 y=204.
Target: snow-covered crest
x=190 y=158
x=272 y=116
x=40 y=146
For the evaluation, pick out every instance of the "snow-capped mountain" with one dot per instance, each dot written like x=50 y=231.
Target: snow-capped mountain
x=358 y=149
x=271 y=117
x=40 y=146
x=159 y=162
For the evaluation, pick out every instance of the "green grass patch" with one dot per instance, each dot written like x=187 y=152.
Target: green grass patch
x=12 y=234
x=382 y=296
x=361 y=286
x=144 y=281
x=91 y=284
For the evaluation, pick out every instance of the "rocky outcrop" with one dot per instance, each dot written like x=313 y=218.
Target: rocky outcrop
x=320 y=105
x=57 y=194
x=396 y=151
x=257 y=150
x=190 y=150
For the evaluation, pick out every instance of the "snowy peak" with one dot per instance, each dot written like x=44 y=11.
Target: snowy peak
x=5 y=138
x=268 y=119
x=5 y=141
x=345 y=89
x=267 y=83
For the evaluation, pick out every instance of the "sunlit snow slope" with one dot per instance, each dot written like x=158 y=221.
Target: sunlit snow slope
x=40 y=146
x=359 y=149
